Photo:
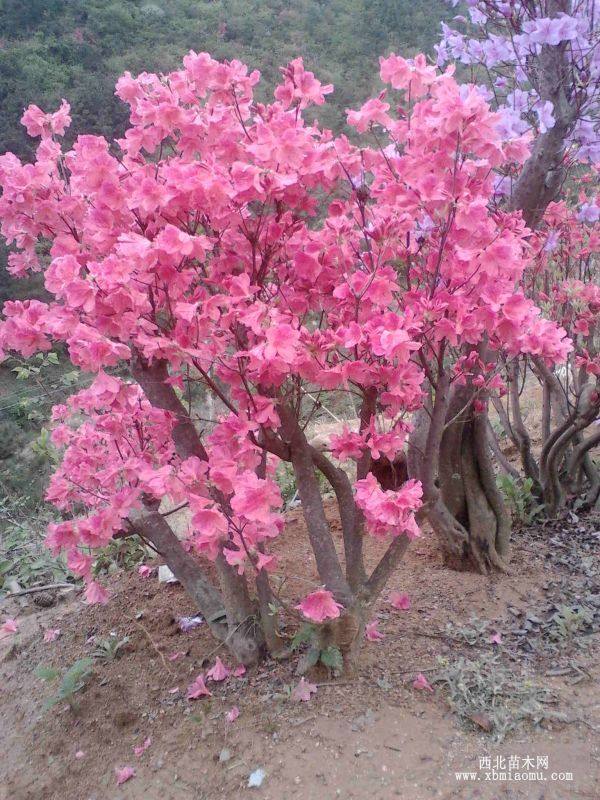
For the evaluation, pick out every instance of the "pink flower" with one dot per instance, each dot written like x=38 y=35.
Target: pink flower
x=371 y=632
x=145 y=571
x=9 y=628
x=233 y=714
x=95 y=593
x=496 y=638
x=124 y=774
x=400 y=600
x=239 y=671
x=51 y=634
x=176 y=655
x=254 y=497
x=219 y=672
x=421 y=682
x=319 y=606
x=79 y=755
x=198 y=689
x=141 y=749
x=303 y=691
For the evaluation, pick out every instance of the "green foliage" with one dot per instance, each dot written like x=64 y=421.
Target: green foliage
x=286 y=482
x=28 y=390
x=475 y=632
x=23 y=556
x=111 y=648
x=73 y=681
x=127 y=554
x=568 y=621
x=330 y=656
x=520 y=498
x=76 y=50
x=487 y=695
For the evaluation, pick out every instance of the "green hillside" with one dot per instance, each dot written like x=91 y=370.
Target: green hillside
x=77 y=48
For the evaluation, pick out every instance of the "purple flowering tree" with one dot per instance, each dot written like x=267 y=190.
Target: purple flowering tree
x=538 y=63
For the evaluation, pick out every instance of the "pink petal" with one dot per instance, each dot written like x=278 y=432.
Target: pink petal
x=95 y=593
x=400 y=600
x=198 y=689
x=176 y=655
x=233 y=714
x=219 y=672
x=319 y=606
x=421 y=682
x=145 y=571
x=239 y=671
x=496 y=638
x=371 y=632
x=303 y=691
x=124 y=774
x=51 y=634
x=141 y=749
x=79 y=754
x=10 y=627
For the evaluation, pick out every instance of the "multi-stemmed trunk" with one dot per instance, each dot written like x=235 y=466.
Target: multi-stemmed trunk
x=449 y=453
x=247 y=626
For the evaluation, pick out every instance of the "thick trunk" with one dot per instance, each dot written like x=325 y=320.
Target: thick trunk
x=543 y=173
x=462 y=503
x=152 y=526
x=468 y=488
x=347 y=634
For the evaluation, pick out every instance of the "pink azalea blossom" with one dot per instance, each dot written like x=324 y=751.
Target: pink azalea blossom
x=421 y=682
x=145 y=571
x=9 y=628
x=303 y=690
x=496 y=638
x=198 y=689
x=176 y=655
x=319 y=606
x=51 y=634
x=400 y=600
x=219 y=671
x=124 y=774
x=95 y=593
x=141 y=749
x=371 y=632
x=233 y=714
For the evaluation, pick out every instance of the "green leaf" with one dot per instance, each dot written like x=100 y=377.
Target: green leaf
x=46 y=673
x=303 y=636
x=308 y=660
x=331 y=657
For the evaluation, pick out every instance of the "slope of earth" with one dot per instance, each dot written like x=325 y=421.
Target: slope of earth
x=373 y=736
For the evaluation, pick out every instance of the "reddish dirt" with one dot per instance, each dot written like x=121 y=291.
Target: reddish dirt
x=370 y=737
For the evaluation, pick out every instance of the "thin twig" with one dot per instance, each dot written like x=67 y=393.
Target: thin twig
x=334 y=683
x=155 y=646
x=33 y=589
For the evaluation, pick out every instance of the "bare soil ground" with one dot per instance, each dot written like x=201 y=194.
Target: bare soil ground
x=373 y=736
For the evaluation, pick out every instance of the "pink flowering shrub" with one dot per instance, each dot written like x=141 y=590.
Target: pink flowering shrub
x=226 y=244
